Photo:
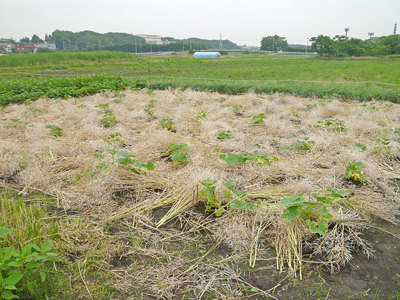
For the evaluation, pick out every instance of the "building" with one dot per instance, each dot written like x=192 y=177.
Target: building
x=5 y=46
x=151 y=39
x=207 y=55
x=28 y=47
x=46 y=45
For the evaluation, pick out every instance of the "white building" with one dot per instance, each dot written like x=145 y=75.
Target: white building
x=151 y=39
x=46 y=45
x=5 y=46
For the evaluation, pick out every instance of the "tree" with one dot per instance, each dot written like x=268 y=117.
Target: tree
x=25 y=40
x=35 y=39
x=323 y=45
x=274 y=43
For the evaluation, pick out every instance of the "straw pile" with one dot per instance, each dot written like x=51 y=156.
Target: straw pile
x=34 y=160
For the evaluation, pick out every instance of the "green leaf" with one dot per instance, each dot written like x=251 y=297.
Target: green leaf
x=208 y=182
x=286 y=148
x=219 y=211
x=338 y=193
x=240 y=194
x=112 y=151
x=322 y=198
x=124 y=154
x=47 y=246
x=253 y=290
x=4 y=232
x=325 y=213
x=10 y=287
x=237 y=204
x=31 y=265
x=291 y=213
x=125 y=161
x=294 y=200
x=42 y=276
x=229 y=185
x=13 y=279
x=9 y=295
x=150 y=166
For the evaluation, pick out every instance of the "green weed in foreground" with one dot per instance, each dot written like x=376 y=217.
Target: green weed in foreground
x=307 y=211
x=18 y=266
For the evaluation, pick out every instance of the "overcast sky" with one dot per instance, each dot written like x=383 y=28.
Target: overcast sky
x=241 y=21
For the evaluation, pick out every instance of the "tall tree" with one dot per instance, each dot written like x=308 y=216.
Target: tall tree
x=25 y=40
x=323 y=45
x=35 y=39
x=274 y=43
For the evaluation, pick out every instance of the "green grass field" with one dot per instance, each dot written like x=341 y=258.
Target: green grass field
x=303 y=76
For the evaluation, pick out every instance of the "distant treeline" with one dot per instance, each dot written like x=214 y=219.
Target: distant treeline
x=114 y=41
x=342 y=46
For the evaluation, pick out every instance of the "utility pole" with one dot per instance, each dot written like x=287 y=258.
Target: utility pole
x=346 y=29
x=273 y=44
x=76 y=44
x=151 y=48
x=135 y=47
x=63 y=45
x=306 y=46
x=183 y=46
x=370 y=35
x=220 y=41
x=190 y=41
x=99 y=45
x=395 y=27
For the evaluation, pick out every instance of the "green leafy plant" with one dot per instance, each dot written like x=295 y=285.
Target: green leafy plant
x=167 y=124
x=179 y=153
x=202 y=115
x=54 y=130
x=237 y=108
x=370 y=106
x=354 y=171
x=362 y=147
x=149 y=111
x=119 y=96
x=114 y=138
x=152 y=102
x=212 y=203
x=109 y=120
x=15 y=123
x=224 y=135
x=16 y=265
x=238 y=203
x=314 y=213
x=259 y=118
x=294 y=112
x=396 y=131
x=335 y=125
x=256 y=102
x=381 y=145
x=241 y=158
x=105 y=107
x=301 y=145
x=126 y=160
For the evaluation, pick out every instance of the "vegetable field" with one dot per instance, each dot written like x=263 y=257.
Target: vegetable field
x=185 y=194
